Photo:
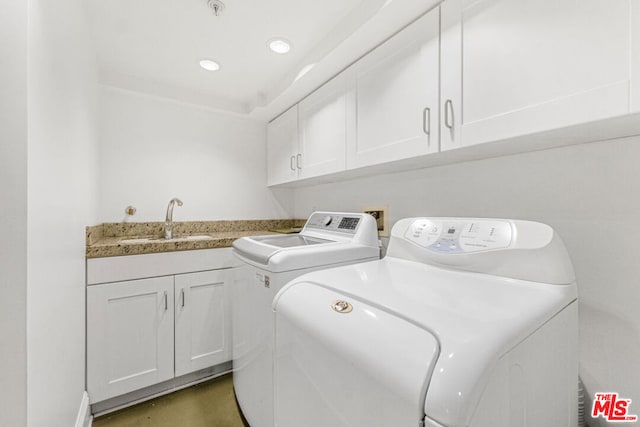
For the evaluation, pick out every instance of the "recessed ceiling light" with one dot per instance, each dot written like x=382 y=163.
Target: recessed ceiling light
x=279 y=45
x=209 y=65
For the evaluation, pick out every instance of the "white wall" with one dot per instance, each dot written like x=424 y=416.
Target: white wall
x=153 y=149
x=61 y=194
x=589 y=193
x=13 y=211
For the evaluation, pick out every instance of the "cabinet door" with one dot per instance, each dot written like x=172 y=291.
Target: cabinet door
x=397 y=96
x=282 y=148
x=325 y=122
x=129 y=336
x=516 y=67
x=203 y=329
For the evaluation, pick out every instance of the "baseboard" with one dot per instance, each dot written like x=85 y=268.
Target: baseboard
x=157 y=390
x=84 y=415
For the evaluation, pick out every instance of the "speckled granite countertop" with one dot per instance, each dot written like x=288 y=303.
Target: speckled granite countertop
x=117 y=239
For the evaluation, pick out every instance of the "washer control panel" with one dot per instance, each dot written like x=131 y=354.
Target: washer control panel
x=334 y=222
x=456 y=237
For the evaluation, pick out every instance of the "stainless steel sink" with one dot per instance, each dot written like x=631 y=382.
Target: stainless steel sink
x=162 y=239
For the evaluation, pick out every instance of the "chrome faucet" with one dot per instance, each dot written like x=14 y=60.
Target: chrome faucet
x=168 y=222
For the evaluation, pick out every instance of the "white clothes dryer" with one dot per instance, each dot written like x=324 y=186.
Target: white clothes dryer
x=328 y=239
x=465 y=323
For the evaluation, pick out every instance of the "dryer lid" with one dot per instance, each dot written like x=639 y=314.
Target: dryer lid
x=334 y=352
x=476 y=318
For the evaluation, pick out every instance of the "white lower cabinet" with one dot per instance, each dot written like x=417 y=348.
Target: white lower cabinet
x=129 y=336
x=202 y=327
x=143 y=332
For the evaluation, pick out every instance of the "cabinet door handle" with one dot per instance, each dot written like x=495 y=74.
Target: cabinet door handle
x=182 y=296
x=298 y=160
x=291 y=163
x=426 y=121
x=448 y=113
x=166 y=301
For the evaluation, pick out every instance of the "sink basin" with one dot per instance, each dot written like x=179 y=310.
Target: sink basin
x=134 y=241
x=162 y=239
x=199 y=237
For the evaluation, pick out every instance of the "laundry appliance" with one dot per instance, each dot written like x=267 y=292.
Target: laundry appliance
x=328 y=239
x=465 y=322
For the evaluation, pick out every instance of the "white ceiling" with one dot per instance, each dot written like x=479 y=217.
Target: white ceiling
x=154 y=46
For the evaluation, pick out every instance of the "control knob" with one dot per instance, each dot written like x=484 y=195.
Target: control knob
x=327 y=220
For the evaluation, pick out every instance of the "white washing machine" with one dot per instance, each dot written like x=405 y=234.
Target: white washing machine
x=465 y=322
x=328 y=239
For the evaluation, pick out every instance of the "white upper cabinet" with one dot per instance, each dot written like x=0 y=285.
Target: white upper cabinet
x=282 y=148
x=325 y=123
x=465 y=73
x=310 y=138
x=512 y=68
x=397 y=96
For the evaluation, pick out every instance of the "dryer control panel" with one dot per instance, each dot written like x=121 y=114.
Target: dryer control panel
x=452 y=236
x=512 y=248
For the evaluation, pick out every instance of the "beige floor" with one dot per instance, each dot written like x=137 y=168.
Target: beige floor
x=209 y=404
